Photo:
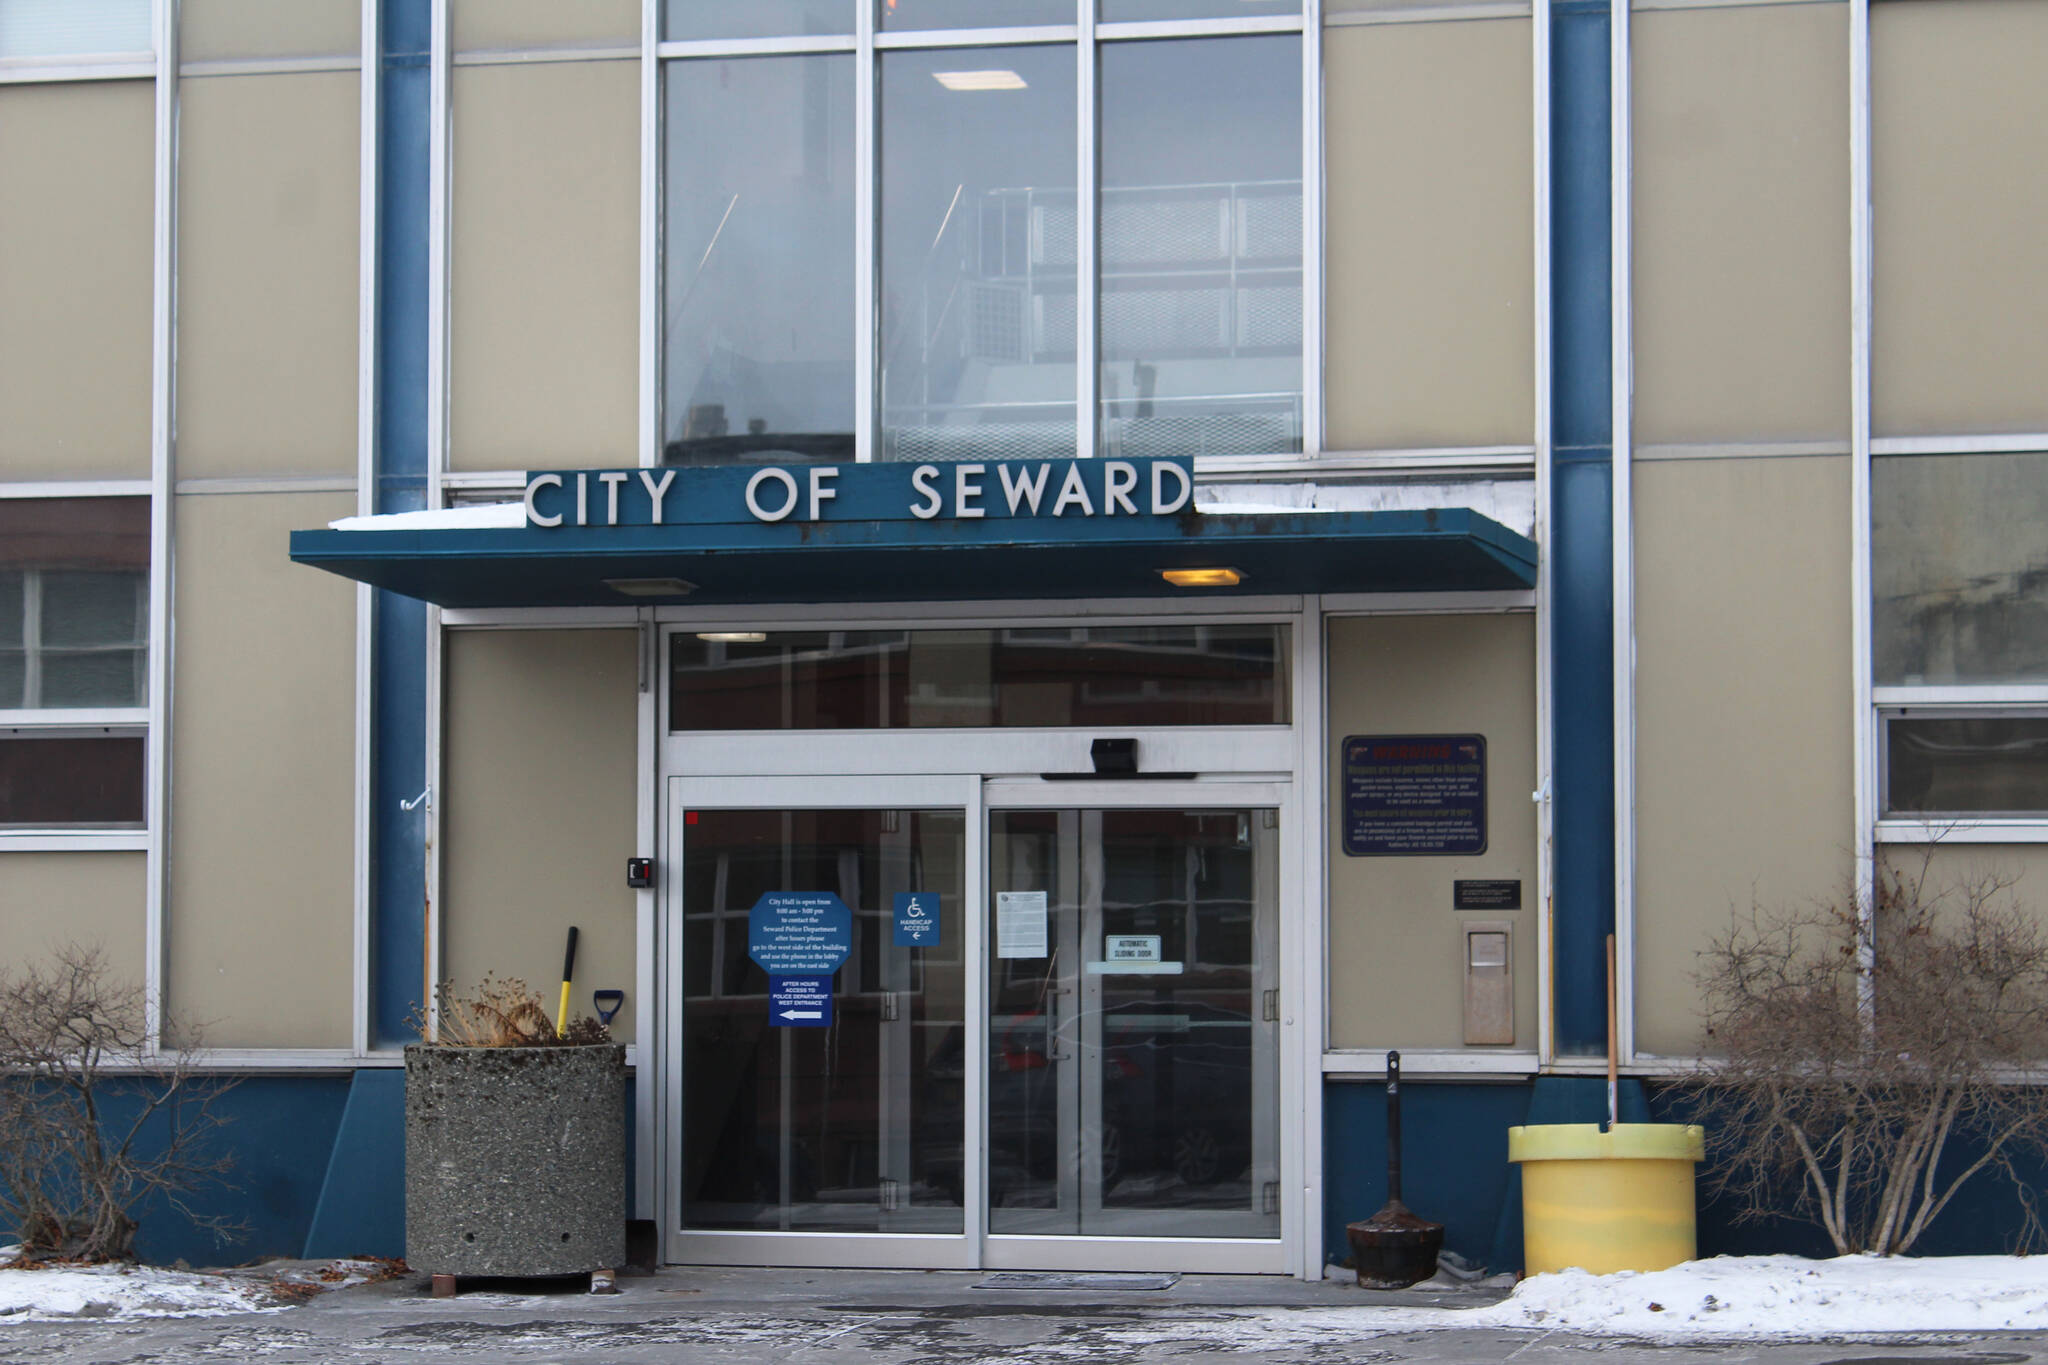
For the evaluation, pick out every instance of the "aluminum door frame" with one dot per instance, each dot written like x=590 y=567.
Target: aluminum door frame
x=886 y=1250
x=1211 y=1255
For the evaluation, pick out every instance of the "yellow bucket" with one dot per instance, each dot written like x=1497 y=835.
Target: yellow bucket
x=1607 y=1201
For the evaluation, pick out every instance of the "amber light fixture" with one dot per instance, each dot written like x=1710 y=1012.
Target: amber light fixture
x=1202 y=578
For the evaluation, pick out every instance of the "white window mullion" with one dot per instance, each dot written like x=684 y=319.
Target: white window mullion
x=32 y=638
x=864 y=235
x=1087 y=237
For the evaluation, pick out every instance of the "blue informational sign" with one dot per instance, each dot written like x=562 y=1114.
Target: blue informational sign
x=917 y=919
x=1409 y=795
x=800 y=1001
x=799 y=933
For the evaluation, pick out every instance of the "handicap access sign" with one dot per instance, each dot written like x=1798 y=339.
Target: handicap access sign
x=917 y=919
x=800 y=1001
x=799 y=933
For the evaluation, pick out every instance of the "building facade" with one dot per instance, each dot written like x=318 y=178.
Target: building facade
x=1230 y=537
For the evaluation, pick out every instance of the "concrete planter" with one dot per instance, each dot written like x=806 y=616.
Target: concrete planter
x=515 y=1159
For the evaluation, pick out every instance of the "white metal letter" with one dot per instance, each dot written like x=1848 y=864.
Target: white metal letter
x=781 y=476
x=1072 y=490
x=1119 y=477
x=921 y=480
x=1160 y=507
x=583 y=500
x=657 y=491
x=611 y=479
x=966 y=489
x=533 y=486
x=820 y=494
x=1025 y=489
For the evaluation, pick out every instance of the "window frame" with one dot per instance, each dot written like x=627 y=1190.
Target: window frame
x=117 y=65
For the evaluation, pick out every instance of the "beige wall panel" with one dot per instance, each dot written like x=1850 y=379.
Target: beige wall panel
x=546 y=269
x=261 y=911
x=223 y=30
x=1742 y=223
x=1744 y=776
x=51 y=900
x=513 y=24
x=267 y=274
x=1959 y=134
x=77 y=189
x=1430 y=211
x=1396 y=964
x=1952 y=866
x=540 y=812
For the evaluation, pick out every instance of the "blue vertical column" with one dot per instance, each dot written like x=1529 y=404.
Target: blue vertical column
x=398 y=760
x=1581 y=522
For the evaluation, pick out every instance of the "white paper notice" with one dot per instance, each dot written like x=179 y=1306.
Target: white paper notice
x=1020 y=924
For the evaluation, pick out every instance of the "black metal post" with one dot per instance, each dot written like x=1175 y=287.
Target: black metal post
x=1393 y=1127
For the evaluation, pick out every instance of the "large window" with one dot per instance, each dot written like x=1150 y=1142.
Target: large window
x=1006 y=260
x=74 y=658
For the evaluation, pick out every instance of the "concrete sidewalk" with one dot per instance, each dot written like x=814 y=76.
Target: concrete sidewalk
x=840 y=1317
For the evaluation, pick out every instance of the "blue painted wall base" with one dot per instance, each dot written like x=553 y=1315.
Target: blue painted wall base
x=362 y=1198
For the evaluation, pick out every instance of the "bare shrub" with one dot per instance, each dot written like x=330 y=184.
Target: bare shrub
x=92 y=1123
x=502 y=1011
x=1849 y=1055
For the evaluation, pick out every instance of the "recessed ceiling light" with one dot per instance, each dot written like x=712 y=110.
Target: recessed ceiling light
x=979 y=80
x=1202 y=578
x=651 y=587
x=733 y=637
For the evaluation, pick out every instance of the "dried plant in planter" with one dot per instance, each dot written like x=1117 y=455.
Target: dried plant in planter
x=501 y=1012
x=1875 y=1063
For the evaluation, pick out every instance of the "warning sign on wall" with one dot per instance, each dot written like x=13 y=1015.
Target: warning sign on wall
x=1409 y=795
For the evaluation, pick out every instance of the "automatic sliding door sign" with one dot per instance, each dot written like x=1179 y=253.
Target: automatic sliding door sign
x=799 y=938
x=917 y=919
x=800 y=1001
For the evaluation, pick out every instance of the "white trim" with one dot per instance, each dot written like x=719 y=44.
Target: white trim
x=1198 y=28
x=162 y=539
x=866 y=306
x=756 y=47
x=1484 y=9
x=2012 y=443
x=74 y=841
x=651 y=292
x=360 y=897
x=1621 y=285
x=439 y=170
x=1428 y=603
x=1541 y=310
x=1014 y=759
x=1016 y=35
x=41 y=70
x=1962 y=696
x=1211 y=468
x=1304 y=951
x=1862 y=661
x=537 y=618
x=527 y=56
x=1087 y=243
x=649 y=1170
x=1420 y=1063
x=1314 y=195
x=271 y=66
x=1742 y=450
x=902 y=615
x=287 y=483
x=81 y=718
x=84 y=488
x=1961 y=829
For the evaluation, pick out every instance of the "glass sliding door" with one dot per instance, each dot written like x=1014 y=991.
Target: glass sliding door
x=1133 y=1086
x=834 y=1104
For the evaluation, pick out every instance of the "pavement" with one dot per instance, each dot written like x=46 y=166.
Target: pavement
x=859 y=1317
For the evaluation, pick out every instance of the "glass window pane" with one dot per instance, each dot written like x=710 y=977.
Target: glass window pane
x=925 y=679
x=1201 y=246
x=13 y=678
x=74 y=579
x=13 y=613
x=1959 y=568
x=86 y=608
x=977 y=296
x=1966 y=765
x=686 y=19
x=73 y=28
x=758 y=323
x=99 y=677
x=928 y=14
x=1118 y=11
x=91 y=781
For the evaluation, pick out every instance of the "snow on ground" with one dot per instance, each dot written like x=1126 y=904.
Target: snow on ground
x=1780 y=1296
x=118 y=1293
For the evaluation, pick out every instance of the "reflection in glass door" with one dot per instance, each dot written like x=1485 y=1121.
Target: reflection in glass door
x=851 y=1126
x=1133 y=1085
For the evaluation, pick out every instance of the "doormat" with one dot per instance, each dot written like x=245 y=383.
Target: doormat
x=1062 y=1279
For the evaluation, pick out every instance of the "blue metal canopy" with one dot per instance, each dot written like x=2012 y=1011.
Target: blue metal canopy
x=906 y=561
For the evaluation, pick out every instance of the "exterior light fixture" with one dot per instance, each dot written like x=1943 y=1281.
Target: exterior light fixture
x=651 y=587
x=733 y=637
x=979 y=80
x=1202 y=578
